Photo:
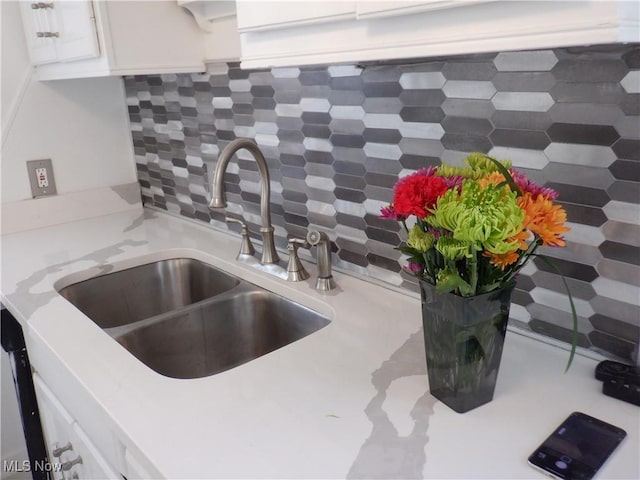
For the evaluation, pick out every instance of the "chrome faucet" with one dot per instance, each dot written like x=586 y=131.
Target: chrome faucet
x=270 y=262
x=218 y=200
x=325 y=281
x=296 y=271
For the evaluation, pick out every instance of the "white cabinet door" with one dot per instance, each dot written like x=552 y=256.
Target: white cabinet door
x=77 y=30
x=59 y=31
x=94 y=465
x=71 y=453
x=256 y=15
x=56 y=426
x=85 y=38
x=37 y=21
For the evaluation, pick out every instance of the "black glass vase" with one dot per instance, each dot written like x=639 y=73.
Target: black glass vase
x=463 y=339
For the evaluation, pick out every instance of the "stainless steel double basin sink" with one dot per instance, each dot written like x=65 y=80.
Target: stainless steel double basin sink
x=186 y=319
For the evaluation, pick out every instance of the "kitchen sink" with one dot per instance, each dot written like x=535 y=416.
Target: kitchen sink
x=130 y=295
x=186 y=319
x=220 y=334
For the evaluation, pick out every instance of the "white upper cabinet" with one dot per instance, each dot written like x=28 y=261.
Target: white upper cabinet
x=81 y=38
x=317 y=32
x=41 y=49
x=256 y=16
x=59 y=31
x=78 y=38
x=218 y=22
x=391 y=8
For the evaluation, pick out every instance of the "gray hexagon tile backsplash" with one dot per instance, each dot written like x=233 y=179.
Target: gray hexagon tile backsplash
x=337 y=137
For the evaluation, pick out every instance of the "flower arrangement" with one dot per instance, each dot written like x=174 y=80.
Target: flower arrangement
x=475 y=225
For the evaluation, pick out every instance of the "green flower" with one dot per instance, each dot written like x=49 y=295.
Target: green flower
x=453 y=249
x=419 y=239
x=477 y=165
x=482 y=162
x=486 y=217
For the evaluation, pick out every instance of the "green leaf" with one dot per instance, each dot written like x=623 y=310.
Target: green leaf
x=488 y=288
x=449 y=281
x=574 y=337
x=508 y=178
x=408 y=250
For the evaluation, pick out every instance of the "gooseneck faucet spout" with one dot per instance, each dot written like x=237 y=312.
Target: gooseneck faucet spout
x=218 y=200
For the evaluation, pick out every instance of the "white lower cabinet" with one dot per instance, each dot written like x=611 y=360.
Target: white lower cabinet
x=72 y=454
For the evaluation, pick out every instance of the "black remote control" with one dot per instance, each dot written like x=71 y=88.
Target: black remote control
x=610 y=370
x=622 y=391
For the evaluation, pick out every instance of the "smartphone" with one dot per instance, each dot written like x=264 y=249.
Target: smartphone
x=577 y=448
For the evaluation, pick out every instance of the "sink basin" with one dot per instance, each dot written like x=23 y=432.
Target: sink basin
x=186 y=319
x=221 y=334
x=127 y=296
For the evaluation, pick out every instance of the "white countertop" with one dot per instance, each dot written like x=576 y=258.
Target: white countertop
x=350 y=400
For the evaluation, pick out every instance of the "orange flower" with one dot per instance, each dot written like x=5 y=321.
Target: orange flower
x=504 y=260
x=522 y=238
x=494 y=178
x=544 y=219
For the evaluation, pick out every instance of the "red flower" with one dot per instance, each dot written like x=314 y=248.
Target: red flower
x=415 y=193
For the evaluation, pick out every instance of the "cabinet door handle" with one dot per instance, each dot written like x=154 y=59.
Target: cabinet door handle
x=66 y=466
x=47 y=34
x=60 y=450
x=39 y=5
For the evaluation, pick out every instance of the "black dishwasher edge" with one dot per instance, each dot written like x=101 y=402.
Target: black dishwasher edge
x=13 y=343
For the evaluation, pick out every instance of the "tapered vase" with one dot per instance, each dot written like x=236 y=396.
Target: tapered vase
x=463 y=339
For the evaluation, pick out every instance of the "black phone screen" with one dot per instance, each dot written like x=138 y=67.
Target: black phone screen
x=577 y=448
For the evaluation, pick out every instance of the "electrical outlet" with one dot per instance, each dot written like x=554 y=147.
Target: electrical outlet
x=41 y=177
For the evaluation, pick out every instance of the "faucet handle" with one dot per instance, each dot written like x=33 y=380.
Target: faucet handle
x=246 y=248
x=295 y=270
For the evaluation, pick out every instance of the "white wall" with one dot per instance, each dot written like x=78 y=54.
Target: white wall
x=12 y=444
x=80 y=124
x=13 y=52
